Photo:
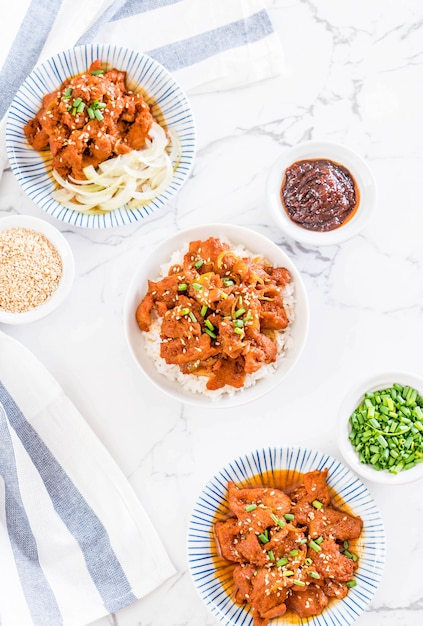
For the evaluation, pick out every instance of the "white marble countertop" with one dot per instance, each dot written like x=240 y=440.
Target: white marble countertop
x=353 y=75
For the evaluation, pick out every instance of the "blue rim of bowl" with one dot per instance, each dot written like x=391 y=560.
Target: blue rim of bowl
x=351 y=491
x=32 y=169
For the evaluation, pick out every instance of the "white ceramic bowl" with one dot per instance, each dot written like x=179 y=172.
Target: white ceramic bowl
x=203 y=564
x=169 y=105
x=150 y=269
x=351 y=402
x=60 y=243
x=341 y=155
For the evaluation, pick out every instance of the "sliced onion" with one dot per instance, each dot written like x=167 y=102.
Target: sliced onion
x=133 y=178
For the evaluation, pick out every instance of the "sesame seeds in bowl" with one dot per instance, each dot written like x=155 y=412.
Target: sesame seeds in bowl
x=36 y=269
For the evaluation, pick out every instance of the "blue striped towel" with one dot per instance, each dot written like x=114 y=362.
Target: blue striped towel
x=75 y=542
x=208 y=45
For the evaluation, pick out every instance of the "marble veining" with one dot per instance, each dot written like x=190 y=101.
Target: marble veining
x=353 y=74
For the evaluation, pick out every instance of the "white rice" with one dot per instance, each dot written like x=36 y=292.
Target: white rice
x=197 y=384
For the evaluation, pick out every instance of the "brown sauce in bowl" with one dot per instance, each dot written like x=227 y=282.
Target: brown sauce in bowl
x=319 y=194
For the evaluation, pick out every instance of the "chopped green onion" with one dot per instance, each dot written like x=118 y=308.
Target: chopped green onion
x=300 y=583
x=80 y=107
x=100 y=105
x=67 y=94
x=90 y=111
x=192 y=316
x=210 y=333
x=240 y=312
x=238 y=331
x=271 y=555
x=315 y=546
x=198 y=264
x=228 y=282
x=238 y=323
x=317 y=504
x=277 y=521
x=313 y=574
x=203 y=310
x=97 y=72
x=197 y=286
x=184 y=311
x=209 y=324
x=98 y=115
x=263 y=538
x=294 y=552
x=308 y=561
x=182 y=287
x=250 y=507
x=282 y=561
x=289 y=517
x=387 y=429
x=319 y=540
x=223 y=295
x=77 y=102
x=351 y=583
x=288 y=572
x=247 y=317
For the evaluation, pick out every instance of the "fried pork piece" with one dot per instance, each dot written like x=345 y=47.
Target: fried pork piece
x=269 y=502
x=331 y=563
x=268 y=594
x=328 y=522
x=307 y=602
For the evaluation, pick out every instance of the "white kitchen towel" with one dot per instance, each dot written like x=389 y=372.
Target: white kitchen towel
x=75 y=541
x=208 y=45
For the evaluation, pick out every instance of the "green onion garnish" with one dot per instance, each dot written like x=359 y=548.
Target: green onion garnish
x=312 y=544
x=308 y=561
x=319 y=540
x=197 y=286
x=238 y=323
x=199 y=263
x=184 y=311
x=351 y=583
x=80 y=107
x=209 y=324
x=182 y=287
x=288 y=572
x=314 y=574
x=289 y=517
x=294 y=552
x=300 y=583
x=203 y=310
x=77 y=102
x=282 y=561
x=90 y=111
x=98 y=115
x=223 y=295
x=271 y=555
x=210 y=333
x=67 y=94
x=263 y=538
x=240 y=312
x=192 y=316
x=238 y=331
x=250 y=507
x=97 y=72
x=317 y=504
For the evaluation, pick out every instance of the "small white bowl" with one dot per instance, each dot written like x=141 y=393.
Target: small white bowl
x=350 y=403
x=342 y=156
x=150 y=269
x=68 y=270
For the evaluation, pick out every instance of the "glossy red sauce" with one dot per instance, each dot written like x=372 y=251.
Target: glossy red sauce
x=319 y=194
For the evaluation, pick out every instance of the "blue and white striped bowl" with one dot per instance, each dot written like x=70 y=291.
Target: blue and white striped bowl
x=202 y=553
x=32 y=170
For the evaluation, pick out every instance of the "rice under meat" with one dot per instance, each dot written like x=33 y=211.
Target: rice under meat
x=154 y=338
